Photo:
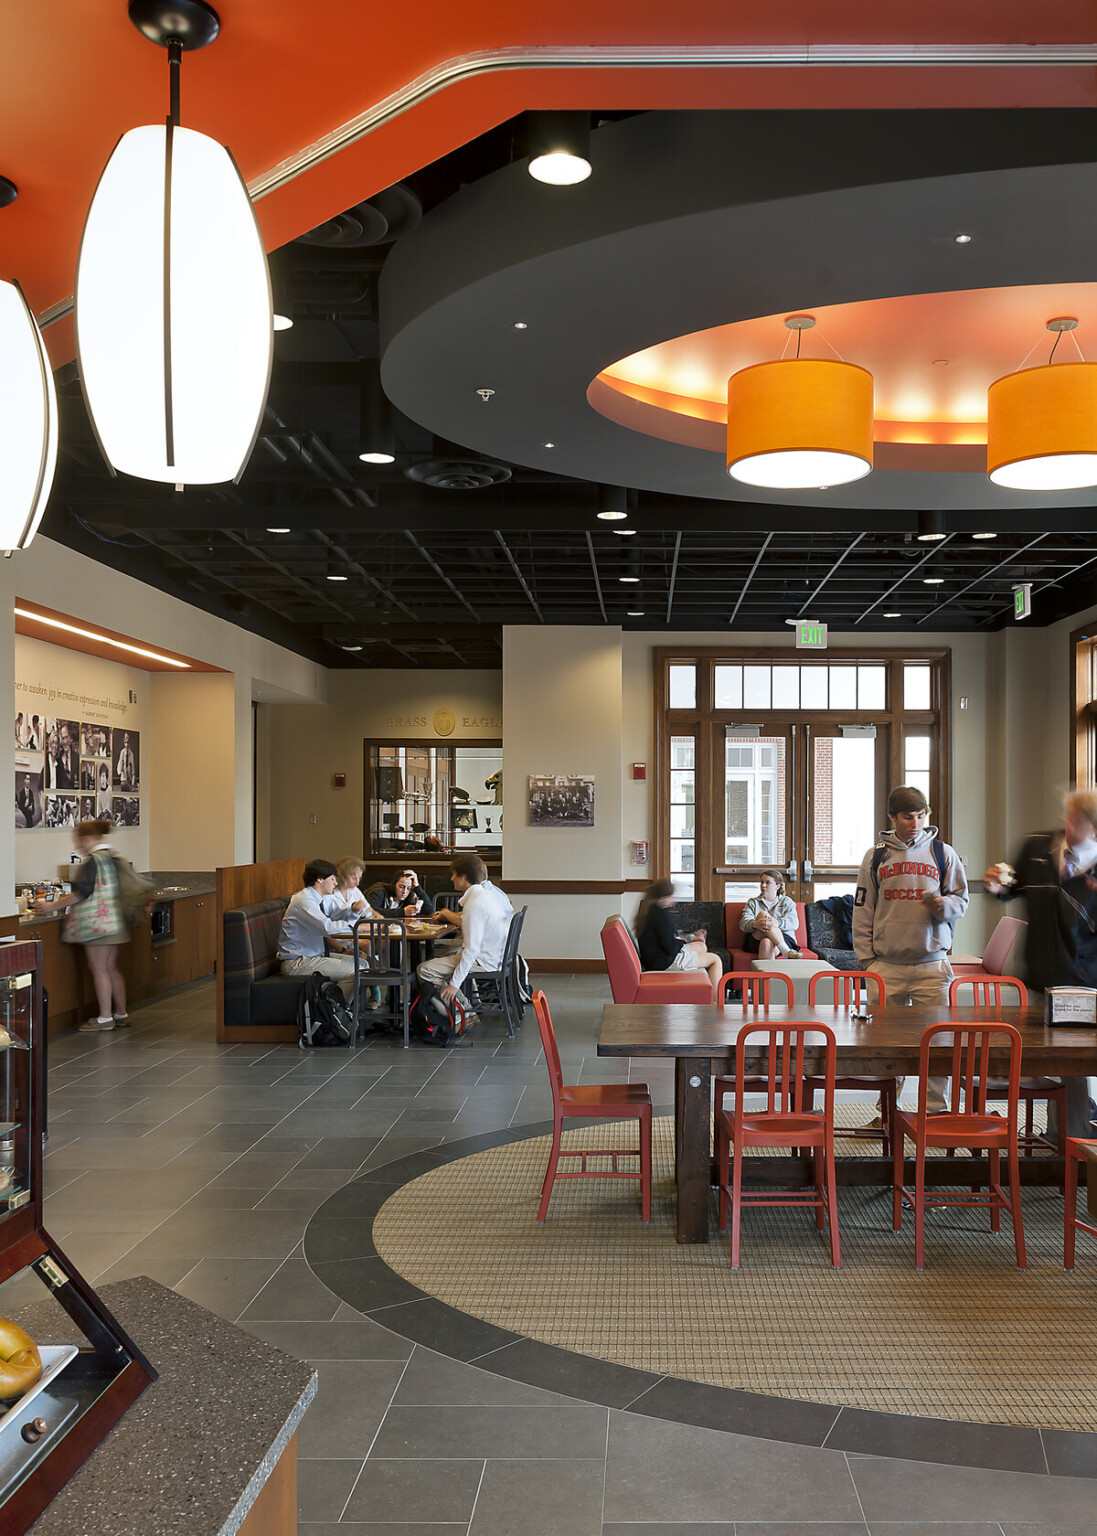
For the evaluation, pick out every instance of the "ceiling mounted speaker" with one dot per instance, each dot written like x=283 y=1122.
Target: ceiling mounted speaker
x=800 y=424
x=1042 y=428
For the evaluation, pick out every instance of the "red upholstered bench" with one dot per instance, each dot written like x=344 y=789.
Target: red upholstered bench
x=630 y=984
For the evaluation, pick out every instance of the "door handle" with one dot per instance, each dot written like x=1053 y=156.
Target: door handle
x=791 y=870
x=809 y=873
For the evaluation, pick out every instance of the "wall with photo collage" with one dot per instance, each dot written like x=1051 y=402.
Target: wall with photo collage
x=67 y=771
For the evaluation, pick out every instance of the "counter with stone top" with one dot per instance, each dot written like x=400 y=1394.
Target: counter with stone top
x=193 y=1454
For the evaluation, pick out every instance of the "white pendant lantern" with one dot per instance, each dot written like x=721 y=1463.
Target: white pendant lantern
x=28 y=414
x=174 y=318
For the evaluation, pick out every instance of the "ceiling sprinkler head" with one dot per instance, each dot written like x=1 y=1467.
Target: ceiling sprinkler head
x=485 y=394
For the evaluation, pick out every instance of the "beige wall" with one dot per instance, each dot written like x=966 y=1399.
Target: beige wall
x=193 y=811
x=303 y=746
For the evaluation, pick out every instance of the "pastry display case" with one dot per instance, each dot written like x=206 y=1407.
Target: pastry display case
x=65 y=1386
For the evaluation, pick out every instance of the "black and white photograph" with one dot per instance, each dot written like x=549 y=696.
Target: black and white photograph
x=62 y=756
x=29 y=732
x=89 y=774
x=125 y=760
x=561 y=800
x=94 y=740
x=86 y=807
x=60 y=811
x=28 y=790
x=103 y=795
x=126 y=811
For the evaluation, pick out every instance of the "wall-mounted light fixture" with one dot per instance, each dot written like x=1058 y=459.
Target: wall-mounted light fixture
x=173 y=302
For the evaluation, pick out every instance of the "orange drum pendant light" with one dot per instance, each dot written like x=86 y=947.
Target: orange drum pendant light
x=800 y=423
x=174 y=321
x=28 y=411
x=1042 y=424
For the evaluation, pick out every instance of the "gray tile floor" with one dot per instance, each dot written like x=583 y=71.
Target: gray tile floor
x=200 y=1165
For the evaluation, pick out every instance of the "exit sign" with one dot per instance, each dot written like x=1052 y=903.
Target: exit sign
x=810 y=635
x=1022 y=600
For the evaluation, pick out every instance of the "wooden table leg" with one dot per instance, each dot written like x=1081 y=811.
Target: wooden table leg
x=692 y=1108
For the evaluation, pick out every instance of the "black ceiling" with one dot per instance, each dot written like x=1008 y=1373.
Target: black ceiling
x=435 y=564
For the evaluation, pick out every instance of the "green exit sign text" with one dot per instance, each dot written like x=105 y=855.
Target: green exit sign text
x=1022 y=600
x=810 y=635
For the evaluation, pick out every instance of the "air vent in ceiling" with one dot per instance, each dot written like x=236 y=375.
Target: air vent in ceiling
x=377 y=221
x=458 y=474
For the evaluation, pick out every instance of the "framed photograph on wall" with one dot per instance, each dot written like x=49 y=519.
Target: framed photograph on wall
x=62 y=756
x=86 y=808
x=125 y=760
x=561 y=800
x=29 y=810
x=126 y=811
x=60 y=811
x=89 y=773
x=94 y=740
x=103 y=792
x=30 y=732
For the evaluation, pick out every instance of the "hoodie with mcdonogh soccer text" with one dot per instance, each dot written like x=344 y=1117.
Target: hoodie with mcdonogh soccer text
x=889 y=921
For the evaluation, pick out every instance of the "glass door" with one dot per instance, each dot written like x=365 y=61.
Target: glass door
x=844 y=802
x=757 y=774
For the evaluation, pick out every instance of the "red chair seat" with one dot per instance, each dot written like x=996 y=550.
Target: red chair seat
x=599 y=1096
x=949 y=1130
x=805 y=1129
x=673 y=987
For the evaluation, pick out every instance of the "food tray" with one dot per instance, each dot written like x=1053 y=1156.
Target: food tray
x=54 y=1359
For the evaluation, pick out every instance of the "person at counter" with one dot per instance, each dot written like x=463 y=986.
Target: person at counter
x=483 y=920
x=310 y=919
x=96 y=919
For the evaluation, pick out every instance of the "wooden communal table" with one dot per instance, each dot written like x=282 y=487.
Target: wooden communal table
x=701 y=1038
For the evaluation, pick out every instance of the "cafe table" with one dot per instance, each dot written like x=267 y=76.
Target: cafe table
x=701 y=1038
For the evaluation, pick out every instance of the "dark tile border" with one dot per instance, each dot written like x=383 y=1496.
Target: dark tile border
x=338 y=1246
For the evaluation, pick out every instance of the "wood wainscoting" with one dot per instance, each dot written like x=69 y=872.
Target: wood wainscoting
x=242 y=885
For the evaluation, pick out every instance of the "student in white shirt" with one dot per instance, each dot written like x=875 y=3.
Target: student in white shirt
x=485 y=917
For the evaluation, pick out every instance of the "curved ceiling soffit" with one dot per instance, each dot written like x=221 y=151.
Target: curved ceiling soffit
x=1061 y=74
x=611 y=285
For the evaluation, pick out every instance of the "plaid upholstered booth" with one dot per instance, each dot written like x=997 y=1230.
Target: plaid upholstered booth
x=256 y=992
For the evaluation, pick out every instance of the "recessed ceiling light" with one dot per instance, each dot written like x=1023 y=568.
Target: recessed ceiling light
x=377 y=458
x=625 y=533
x=931 y=538
x=279 y=530
x=352 y=647
x=984 y=535
x=893 y=615
x=283 y=323
x=520 y=325
x=628 y=578
x=932 y=581
x=636 y=613
x=962 y=239
x=548 y=445
x=91 y=634
x=612 y=517
x=560 y=169
x=338 y=578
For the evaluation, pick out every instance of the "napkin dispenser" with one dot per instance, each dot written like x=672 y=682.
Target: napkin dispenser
x=1070 y=1005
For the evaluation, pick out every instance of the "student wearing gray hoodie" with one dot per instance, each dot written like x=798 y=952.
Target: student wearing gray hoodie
x=904 y=910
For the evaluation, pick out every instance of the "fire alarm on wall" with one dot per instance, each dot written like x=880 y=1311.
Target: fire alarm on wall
x=639 y=770
x=339 y=781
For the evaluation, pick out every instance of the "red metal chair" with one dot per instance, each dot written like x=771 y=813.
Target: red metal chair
x=630 y=984
x=987 y=993
x=851 y=988
x=1071 y=1224
x=603 y=1101
x=783 y=1123
x=755 y=987
x=973 y=1127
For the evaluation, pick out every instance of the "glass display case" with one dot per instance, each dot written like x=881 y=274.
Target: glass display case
x=422 y=797
x=67 y=1370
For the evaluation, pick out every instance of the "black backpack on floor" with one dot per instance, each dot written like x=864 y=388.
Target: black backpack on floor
x=323 y=1017
x=433 y=1020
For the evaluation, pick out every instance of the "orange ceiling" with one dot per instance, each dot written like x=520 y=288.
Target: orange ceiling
x=932 y=356
x=74 y=77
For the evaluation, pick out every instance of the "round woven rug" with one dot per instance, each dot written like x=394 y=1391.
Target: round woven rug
x=970 y=1338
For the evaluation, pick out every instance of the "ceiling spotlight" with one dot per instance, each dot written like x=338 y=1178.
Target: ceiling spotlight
x=636 y=613
x=613 y=517
x=893 y=615
x=931 y=527
x=559 y=147
x=352 y=647
x=932 y=581
x=612 y=503
x=188 y=414
x=283 y=323
x=375 y=434
x=931 y=538
x=520 y=325
x=338 y=578
x=623 y=533
x=962 y=239
x=278 y=530
x=548 y=445
x=984 y=535
x=628 y=578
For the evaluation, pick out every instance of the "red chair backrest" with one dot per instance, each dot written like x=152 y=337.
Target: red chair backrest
x=986 y=992
x=548 y=1042
x=1000 y=943
x=755 y=985
x=848 y=986
x=784 y=1068
x=970 y=1067
x=622 y=961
